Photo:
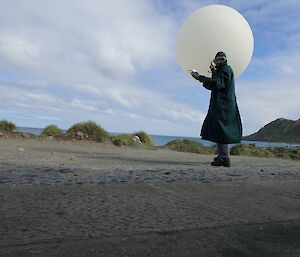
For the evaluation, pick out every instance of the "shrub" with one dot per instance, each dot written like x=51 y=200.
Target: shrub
x=144 y=137
x=119 y=142
x=7 y=126
x=127 y=139
x=286 y=152
x=89 y=129
x=191 y=146
x=250 y=150
x=123 y=139
x=51 y=130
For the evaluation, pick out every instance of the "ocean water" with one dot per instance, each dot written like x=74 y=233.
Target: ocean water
x=160 y=140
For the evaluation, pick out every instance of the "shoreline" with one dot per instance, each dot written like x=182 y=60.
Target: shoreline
x=161 y=140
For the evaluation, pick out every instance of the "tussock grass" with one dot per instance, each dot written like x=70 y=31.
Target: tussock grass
x=7 y=126
x=275 y=152
x=144 y=137
x=250 y=150
x=127 y=140
x=191 y=146
x=123 y=139
x=89 y=129
x=286 y=152
x=51 y=130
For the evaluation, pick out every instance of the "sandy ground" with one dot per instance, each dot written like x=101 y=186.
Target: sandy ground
x=89 y=199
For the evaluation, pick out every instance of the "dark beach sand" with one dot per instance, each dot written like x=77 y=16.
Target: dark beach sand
x=89 y=199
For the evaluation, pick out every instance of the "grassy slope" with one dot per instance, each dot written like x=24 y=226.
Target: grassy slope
x=280 y=130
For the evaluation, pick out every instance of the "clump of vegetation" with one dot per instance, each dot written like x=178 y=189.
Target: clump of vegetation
x=250 y=150
x=90 y=130
x=51 y=130
x=144 y=137
x=276 y=152
x=118 y=142
x=286 y=152
x=123 y=139
x=191 y=146
x=7 y=126
x=128 y=139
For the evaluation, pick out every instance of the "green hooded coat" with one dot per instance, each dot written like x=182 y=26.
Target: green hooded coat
x=222 y=123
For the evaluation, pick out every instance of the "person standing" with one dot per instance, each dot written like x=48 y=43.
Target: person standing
x=222 y=124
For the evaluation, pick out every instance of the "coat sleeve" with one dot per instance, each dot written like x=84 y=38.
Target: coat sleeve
x=218 y=82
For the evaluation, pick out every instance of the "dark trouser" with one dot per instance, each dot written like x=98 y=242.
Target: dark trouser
x=223 y=151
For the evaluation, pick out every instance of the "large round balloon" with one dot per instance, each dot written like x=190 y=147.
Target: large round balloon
x=211 y=29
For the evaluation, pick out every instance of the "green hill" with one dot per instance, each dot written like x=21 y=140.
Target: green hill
x=280 y=130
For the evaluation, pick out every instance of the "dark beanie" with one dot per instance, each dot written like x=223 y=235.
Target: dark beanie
x=220 y=54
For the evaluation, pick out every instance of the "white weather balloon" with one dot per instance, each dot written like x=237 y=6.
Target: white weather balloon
x=211 y=29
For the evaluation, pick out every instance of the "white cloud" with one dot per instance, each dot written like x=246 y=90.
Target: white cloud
x=272 y=92
x=109 y=93
x=113 y=62
x=111 y=38
x=261 y=102
x=144 y=101
x=282 y=64
x=18 y=52
x=147 y=108
x=288 y=68
x=85 y=105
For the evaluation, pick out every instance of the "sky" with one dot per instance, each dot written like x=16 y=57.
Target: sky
x=114 y=62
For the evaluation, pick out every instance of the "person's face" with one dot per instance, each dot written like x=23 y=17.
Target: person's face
x=219 y=61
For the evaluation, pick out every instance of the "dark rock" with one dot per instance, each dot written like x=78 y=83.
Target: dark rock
x=35 y=251
x=44 y=182
x=65 y=170
x=233 y=174
x=205 y=181
x=25 y=135
x=5 y=181
x=47 y=169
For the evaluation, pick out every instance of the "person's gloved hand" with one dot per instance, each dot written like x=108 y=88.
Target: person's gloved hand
x=201 y=78
x=212 y=67
x=196 y=75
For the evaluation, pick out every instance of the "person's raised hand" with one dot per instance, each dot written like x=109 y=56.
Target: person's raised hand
x=201 y=78
x=195 y=74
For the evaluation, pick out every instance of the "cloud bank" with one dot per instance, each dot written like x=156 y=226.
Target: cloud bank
x=114 y=62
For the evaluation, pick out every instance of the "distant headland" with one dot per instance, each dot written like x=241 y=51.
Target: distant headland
x=279 y=130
